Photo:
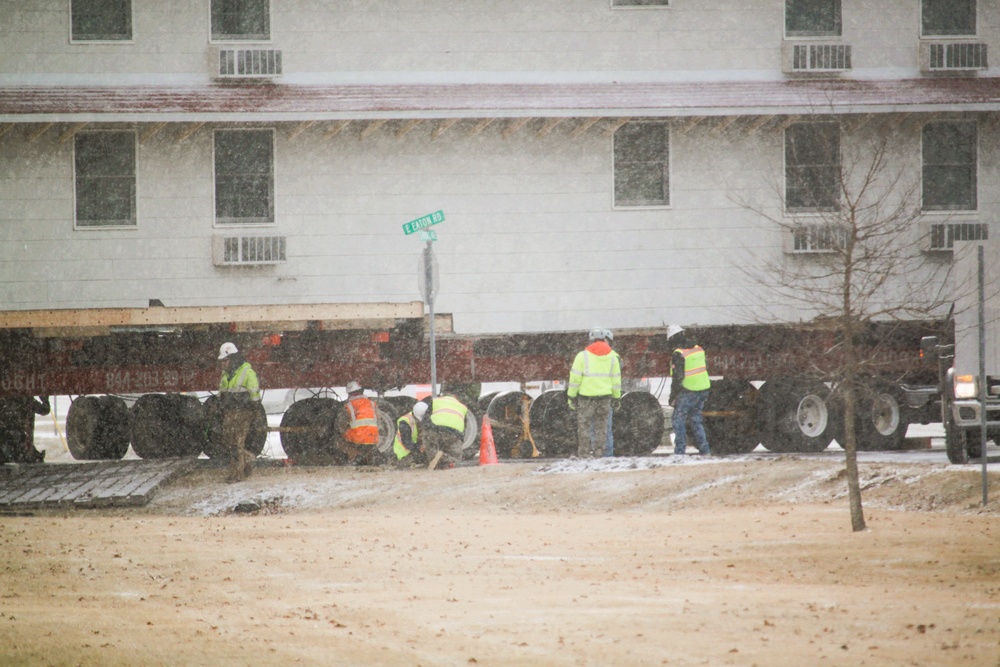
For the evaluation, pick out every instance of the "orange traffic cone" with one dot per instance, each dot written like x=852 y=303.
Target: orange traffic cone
x=487 y=450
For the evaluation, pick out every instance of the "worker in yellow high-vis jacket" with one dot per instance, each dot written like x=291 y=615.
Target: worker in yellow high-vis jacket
x=239 y=394
x=689 y=385
x=595 y=388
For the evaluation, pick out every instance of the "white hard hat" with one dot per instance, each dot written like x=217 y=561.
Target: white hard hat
x=226 y=350
x=419 y=410
x=609 y=334
x=597 y=333
x=673 y=330
x=353 y=386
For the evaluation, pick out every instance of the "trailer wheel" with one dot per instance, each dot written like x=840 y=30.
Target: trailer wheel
x=165 y=425
x=796 y=417
x=881 y=420
x=553 y=424
x=307 y=429
x=730 y=416
x=256 y=436
x=638 y=426
x=97 y=427
x=505 y=410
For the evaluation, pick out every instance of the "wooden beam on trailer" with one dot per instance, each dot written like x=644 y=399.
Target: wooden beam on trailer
x=70 y=131
x=191 y=129
x=281 y=315
x=513 y=126
x=370 y=128
x=335 y=129
x=443 y=127
x=584 y=125
x=39 y=132
x=480 y=126
x=408 y=127
x=300 y=128
x=151 y=130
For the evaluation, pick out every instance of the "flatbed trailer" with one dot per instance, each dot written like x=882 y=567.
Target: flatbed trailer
x=770 y=381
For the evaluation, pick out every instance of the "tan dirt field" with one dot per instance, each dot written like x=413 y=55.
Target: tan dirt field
x=746 y=561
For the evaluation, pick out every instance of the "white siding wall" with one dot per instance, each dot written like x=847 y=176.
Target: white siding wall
x=397 y=37
x=530 y=241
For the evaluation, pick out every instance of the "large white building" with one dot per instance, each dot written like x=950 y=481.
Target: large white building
x=593 y=159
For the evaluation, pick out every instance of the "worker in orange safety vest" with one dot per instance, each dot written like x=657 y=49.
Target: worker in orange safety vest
x=358 y=423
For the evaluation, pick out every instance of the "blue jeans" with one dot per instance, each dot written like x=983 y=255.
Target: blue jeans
x=689 y=406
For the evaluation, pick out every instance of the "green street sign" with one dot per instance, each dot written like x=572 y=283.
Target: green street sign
x=424 y=222
x=428 y=235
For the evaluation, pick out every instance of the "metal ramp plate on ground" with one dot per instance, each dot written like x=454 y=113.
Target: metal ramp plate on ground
x=86 y=485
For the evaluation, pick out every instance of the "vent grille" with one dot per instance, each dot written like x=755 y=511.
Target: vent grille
x=943 y=235
x=954 y=56
x=821 y=57
x=248 y=250
x=249 y=63
x=818 y=238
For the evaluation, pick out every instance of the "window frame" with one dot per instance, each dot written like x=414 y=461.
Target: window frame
x=974 y=165
x=667 y=176
x=812 y=210
x=942 y=35
x=73 y=39
x=104 y=224
x=255 y=223
x=230 y=39
x=837 y=32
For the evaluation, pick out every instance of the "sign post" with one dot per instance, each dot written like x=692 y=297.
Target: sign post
x=427 y=277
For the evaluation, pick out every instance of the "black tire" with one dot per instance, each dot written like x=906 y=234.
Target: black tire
x=730 y=417
x=310 y=431
x=552 y=424
x=97 y=428
x=881 y=423
x=638 y=426
x=167 y=425
x=256 y=436
x=505 y=412
x=796 y=416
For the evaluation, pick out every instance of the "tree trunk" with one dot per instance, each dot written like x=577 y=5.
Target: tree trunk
x=851 y=457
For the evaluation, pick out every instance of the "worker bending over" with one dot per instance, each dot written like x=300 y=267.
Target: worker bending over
x=358 y=421
x=406 y=445
x=443 y=436
x=239 y=396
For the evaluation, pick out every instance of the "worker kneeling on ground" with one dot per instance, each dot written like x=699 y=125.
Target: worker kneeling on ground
x=359 y=436
x=594 y=388
x=406 y=445
x=239 y=394
x=442 y=437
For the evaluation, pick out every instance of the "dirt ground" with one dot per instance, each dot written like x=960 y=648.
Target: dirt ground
x=654 y=561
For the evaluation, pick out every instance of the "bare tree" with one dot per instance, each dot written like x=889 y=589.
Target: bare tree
x=864 y=260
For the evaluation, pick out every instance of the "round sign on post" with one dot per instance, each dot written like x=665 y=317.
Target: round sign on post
x=427 y=275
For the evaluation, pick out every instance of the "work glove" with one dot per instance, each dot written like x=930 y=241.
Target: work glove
x=616 y=404
x=569 y=402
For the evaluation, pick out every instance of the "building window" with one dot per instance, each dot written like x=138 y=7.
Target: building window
x=949 y=166
x=101 y=20
x=104 y=177
x=244 y=176
x=241 y=20
x=947 y=18
x=812 y=167
x=812 y=18
x=640 y=3
x=642 y=164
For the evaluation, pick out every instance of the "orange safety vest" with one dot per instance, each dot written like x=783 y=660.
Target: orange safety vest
x=363 y=427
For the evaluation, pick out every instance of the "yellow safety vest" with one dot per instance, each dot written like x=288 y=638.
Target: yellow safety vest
x=244 y=380
x=695 y=369
x=449 y=412
x=398 y=448
x=595 y=375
